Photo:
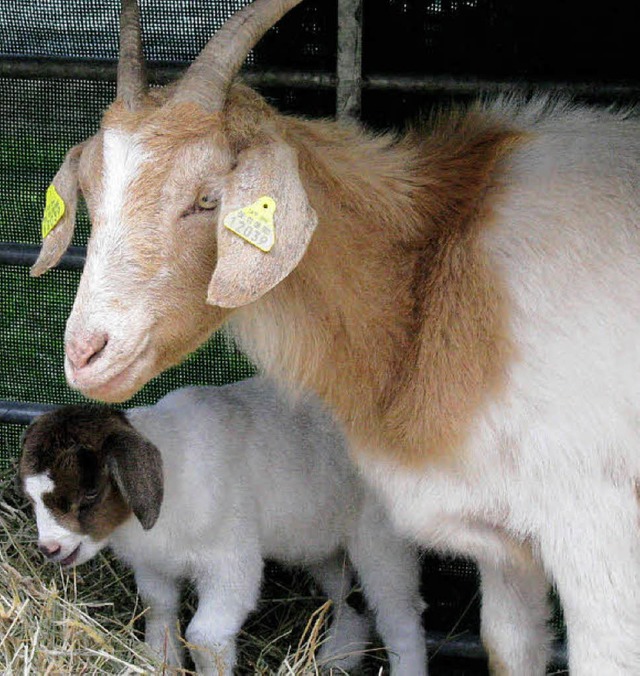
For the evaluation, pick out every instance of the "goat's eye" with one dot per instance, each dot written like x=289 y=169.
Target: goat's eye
x=89 y=498
x=206 y=201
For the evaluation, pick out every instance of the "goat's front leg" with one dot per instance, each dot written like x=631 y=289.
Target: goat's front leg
x=228 y=585
x=162 y=596
x=514 y=617
x=514 y=597
x=591 y=545
x=390 y=574
x=514 y=593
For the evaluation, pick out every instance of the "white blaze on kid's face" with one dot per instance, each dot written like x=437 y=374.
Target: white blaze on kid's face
x=50 y=532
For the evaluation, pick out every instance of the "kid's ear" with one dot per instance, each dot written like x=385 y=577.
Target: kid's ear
x=254 y=256
x=60 y=211
x=136 y=466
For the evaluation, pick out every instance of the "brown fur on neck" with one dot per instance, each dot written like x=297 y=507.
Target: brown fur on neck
x=394 y=315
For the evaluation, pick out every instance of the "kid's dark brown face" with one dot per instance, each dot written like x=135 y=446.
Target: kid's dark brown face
x=76 y=504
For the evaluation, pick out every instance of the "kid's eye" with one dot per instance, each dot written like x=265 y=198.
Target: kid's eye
x=89 y=498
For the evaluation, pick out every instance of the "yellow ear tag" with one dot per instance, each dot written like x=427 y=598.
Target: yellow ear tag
x=53 y=210
x=254 y=223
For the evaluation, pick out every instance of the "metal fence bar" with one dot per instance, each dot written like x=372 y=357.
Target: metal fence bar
x=445 y=84
x=161 y=73
x=349 y=64
x=470 y=647
x=26 y=255
x=22 y=413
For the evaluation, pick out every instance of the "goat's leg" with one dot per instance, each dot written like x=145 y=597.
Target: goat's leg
x=591 y=546
x=228 y=586
x=514 y=591
x=162 y=595
x=348 y=634
x=390 y=574
x=514 y=617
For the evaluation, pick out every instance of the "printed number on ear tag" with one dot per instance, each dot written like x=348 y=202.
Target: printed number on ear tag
x=254 y=223
x=53 y=210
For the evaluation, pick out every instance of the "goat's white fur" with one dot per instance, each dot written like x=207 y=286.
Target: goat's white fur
x=35 y=487
x=123 y=156
x=248 y=477
x=122 y=159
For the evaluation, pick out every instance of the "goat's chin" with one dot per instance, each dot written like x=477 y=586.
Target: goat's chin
x=111 y=393
x=115 y=385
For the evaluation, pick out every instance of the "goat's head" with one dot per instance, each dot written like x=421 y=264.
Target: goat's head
x=86 y=469
x=161 y=177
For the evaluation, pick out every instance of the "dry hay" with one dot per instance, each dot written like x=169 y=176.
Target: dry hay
x=89 y=620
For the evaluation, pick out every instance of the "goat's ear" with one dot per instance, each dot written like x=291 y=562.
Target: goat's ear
x=266 y=176
x=62 y=196
x=136 y=466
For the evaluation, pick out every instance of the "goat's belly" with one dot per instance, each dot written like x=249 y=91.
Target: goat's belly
x=544 y=443
x=300 y=547
x=432 y=508
x=307 y=533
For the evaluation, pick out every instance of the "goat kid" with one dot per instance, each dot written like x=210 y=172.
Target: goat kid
x=245 y=477
x=466 y=298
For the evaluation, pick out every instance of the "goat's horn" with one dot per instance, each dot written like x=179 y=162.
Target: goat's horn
x=132 y=77
x=208 y=78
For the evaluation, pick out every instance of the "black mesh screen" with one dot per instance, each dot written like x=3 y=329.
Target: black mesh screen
x=529 y=39
x=173 y=31
x=41 y=121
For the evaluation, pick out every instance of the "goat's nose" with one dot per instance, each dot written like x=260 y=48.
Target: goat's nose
x=49 y=549
x=83 y=349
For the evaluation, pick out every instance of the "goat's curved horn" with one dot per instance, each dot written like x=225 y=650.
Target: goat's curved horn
x=208 y=78
x=132 y=77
